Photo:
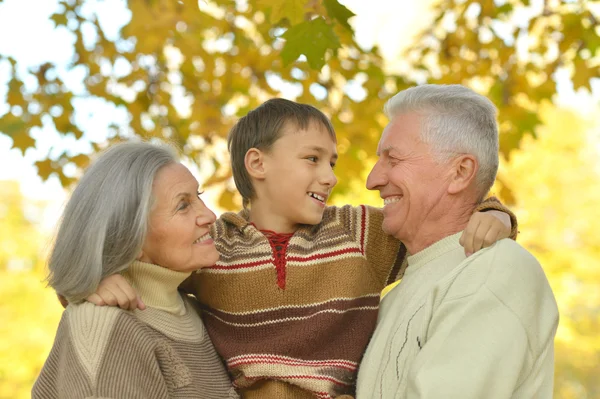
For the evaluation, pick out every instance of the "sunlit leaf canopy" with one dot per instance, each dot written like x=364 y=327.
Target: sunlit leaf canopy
x=187 y=70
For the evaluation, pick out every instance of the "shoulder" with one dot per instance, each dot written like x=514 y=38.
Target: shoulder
x=85 y=316
x=92 y=325
x=362 y=214
x=232 y=226
x=352 y=210
x=512 y=269
x=95 y=330
x=231 y=220
x=516 y=281
x=506 y=268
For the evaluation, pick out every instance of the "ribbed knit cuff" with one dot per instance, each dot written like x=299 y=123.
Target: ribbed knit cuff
x=493 y=203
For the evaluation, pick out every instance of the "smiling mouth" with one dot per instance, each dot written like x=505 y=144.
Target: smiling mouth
x=391 y=200
x=317 y=196
x=203 y=238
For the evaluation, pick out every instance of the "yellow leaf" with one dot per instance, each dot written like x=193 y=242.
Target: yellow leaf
x=293 y=10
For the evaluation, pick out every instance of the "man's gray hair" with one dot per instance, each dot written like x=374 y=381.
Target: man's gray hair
x=456 y=120
x=104 y=224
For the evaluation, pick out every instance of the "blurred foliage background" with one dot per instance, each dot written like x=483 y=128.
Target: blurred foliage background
x=186 y=70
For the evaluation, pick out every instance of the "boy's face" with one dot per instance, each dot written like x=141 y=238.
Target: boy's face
x=298 y=176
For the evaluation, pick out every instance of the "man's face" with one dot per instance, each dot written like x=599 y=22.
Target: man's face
x=409 y=179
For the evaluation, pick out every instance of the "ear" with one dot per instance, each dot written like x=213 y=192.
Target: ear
x=140 y=255
x=254 y=161
x=464 y=170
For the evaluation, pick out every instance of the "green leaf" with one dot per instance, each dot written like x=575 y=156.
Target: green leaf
x=293 y=10
x=338 y=12
x=313 y=39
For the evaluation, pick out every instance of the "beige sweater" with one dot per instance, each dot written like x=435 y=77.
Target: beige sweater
x=161 y=352
x=456 y=327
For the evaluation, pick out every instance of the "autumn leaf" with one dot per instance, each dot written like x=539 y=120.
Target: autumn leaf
x=313 y=39
x=59 y=19
x=22 y=140
x=293 y=10
x=338 y=12
x=229 y=200
x=17 y=130
x=45 y=168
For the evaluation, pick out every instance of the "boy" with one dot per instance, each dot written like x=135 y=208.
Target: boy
x=293 y=301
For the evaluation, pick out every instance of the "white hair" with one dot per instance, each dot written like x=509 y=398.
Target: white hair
x=104 y=224
x=456 y=120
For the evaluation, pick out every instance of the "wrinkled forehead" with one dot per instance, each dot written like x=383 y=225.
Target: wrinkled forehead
x=403 y=130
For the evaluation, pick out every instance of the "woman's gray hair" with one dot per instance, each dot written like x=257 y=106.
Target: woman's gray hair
x=104 y=224
x=456 y=120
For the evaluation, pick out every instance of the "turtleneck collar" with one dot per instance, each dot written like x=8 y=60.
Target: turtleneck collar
x=157 y=286
x=433 y=251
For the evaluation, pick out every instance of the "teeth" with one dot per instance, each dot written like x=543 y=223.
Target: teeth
x=203 y=238
x=391 y=200
x=317 y=196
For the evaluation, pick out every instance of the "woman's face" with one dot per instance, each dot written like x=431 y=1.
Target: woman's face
x=178 y=232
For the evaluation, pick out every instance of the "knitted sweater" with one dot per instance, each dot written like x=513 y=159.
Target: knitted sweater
x=456 y=327
x=297 y=325
x=161 y=352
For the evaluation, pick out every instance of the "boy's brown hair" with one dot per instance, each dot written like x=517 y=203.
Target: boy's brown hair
x=260 y=128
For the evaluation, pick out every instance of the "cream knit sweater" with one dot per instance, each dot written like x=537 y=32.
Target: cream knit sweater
x=456 y=327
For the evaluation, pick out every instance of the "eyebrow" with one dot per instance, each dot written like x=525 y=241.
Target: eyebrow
x=386 y=149
x=185 y=194
x=321 y=150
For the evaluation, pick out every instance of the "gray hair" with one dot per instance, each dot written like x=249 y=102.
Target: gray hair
x=104 y=224
x=456 y=120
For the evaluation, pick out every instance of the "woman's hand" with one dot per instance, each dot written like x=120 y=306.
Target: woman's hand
x=115 y=291
x=484 y=229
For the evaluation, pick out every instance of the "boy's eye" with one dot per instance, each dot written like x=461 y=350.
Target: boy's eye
x=312 y=158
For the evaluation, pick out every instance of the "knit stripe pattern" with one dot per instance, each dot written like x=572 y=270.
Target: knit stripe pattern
x=303 y=336
x=106 y=352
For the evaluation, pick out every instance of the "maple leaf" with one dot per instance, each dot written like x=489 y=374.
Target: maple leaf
x=22 y=140
x=338 y=12
x=311 y=38
x=293 y=10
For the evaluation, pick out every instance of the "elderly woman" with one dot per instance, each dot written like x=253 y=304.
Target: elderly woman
x=135 y=211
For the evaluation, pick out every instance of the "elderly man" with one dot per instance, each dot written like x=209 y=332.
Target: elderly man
x=481 y=326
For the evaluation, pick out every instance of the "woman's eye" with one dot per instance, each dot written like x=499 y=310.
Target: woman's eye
x=183 y=206
x=332 y=164
x=199 y=193
x=313 y=159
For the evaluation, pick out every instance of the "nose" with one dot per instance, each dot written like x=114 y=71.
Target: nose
x=328 y=177
x=204 y=215
x=377 y=177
